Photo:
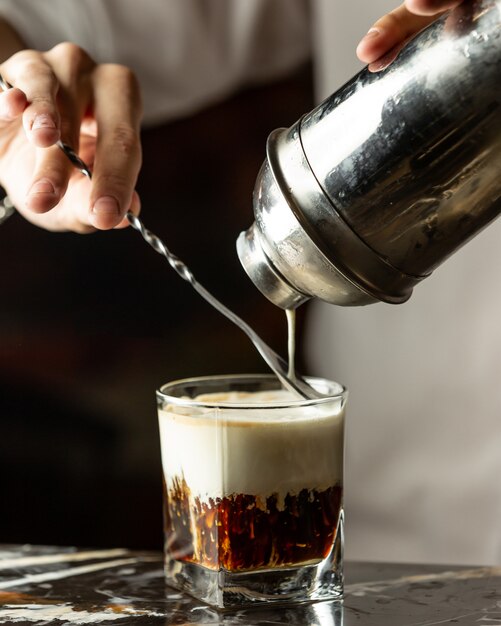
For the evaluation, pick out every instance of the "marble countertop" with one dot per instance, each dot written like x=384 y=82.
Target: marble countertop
x=50 y=585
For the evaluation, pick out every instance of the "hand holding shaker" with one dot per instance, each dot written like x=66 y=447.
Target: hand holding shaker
x=365 y=195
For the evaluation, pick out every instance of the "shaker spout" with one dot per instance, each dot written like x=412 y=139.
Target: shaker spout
x=263 y=274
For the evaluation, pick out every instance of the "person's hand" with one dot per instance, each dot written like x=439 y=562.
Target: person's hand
x=95 y=109
x=389 y=33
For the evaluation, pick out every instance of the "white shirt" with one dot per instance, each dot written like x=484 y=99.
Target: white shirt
x=186 y=53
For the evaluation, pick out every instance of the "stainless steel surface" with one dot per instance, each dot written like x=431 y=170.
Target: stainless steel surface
x=364 y=196
x=297 y=384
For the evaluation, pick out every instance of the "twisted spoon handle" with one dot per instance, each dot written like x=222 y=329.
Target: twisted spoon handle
x=276 y=363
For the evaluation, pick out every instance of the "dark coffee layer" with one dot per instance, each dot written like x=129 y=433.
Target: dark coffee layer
x=242 y=532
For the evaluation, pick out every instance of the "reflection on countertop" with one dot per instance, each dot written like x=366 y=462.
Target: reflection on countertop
x=51 y=585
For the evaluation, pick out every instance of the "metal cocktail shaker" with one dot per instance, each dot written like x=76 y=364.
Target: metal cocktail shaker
x=365 y=195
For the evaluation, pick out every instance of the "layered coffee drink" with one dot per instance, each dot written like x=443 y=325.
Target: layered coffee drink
x=253 y=480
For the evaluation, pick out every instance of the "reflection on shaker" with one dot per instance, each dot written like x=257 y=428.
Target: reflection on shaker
x=387 y=177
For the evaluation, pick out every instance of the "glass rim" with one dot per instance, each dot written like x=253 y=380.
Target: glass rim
x=342 y=394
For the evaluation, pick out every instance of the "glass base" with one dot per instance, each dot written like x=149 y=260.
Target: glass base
x=283 y=585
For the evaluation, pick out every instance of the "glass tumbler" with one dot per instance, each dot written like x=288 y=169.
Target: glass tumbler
x=253 y=489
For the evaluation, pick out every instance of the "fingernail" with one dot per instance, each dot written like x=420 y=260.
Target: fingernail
x=43 y=121
x=372 y=33
x=106 y=205
x=42 y=186
x=377 y=66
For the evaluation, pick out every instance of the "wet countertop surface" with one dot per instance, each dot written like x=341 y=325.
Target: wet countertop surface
x=50 y=585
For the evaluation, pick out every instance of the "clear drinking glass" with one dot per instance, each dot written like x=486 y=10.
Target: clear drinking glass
x=253 y=489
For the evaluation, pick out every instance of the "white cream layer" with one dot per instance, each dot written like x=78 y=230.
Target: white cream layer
x=258 y=451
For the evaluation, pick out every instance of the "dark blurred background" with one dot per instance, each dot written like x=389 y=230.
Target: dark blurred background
x=91 y=326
